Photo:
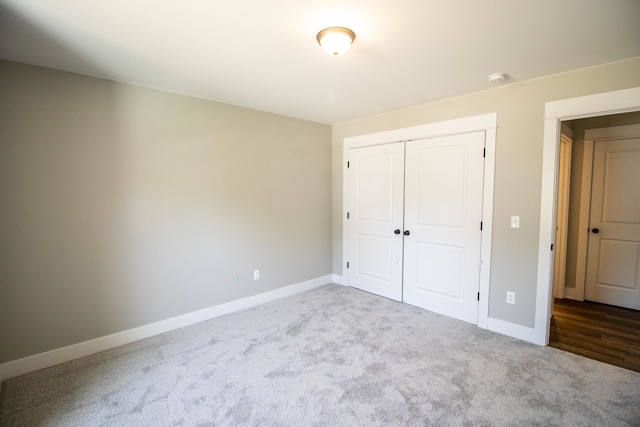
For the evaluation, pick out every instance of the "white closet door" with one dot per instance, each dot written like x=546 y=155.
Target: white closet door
x=443 y=211
x=376 y=188
x=613 y=260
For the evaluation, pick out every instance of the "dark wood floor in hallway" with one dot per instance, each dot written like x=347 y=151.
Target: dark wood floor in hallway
x=597 y=331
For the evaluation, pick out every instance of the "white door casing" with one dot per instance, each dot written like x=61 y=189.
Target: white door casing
x=376 y=185
x=443 y=213
x=613 y=260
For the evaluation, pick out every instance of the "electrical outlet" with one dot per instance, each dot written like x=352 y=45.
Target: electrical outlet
x=511 y=297
x=256 y=274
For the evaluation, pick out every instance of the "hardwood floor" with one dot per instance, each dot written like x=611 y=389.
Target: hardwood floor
x=597 y=331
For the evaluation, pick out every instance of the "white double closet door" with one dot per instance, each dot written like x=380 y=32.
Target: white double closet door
x=414 y=222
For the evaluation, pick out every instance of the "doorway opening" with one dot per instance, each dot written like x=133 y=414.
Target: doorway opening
x=581 y=323
x=602 y=104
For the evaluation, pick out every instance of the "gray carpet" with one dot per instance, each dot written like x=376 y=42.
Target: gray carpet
x=331 y=356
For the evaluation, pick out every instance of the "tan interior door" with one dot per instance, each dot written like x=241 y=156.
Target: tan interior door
x=613 y=259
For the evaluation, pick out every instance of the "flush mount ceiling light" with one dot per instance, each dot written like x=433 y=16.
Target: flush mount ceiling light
x=336 y=40
x=497 y=78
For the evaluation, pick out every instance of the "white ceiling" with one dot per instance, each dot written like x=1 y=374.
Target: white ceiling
x=263 y=54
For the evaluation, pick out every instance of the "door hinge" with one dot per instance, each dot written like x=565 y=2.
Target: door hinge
x=347 y=215
x=552 y=246
x=480 y=225
x=347 y=165
x=478 y=296
x=484 y=152
x=347 y=264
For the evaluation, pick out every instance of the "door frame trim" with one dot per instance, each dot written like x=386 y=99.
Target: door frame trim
x=564 y=181
x=577 y=292
x=602 y=104
x=483 y=122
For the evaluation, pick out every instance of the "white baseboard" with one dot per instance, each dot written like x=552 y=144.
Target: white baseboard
x=337 y=279
x=50 y=358
x=514 y=330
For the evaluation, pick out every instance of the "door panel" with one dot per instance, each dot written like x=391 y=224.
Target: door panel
x=444 y=264
x=440 y=204
x=372 y=249
x=443 y=210
x=376 y=191
x=613 y=259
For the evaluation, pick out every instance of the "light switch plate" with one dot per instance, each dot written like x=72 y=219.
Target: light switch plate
x=515 y=222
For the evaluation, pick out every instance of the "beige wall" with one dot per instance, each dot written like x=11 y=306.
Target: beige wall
x=121 y=206
x=578 y=127
x=520 y=109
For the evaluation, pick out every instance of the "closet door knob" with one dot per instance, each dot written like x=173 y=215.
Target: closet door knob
x=595 y=230
x=407 y=232
x=397 y=231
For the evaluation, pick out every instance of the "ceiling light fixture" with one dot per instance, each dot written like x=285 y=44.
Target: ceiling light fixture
x=497 y=77
x=336 y=40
